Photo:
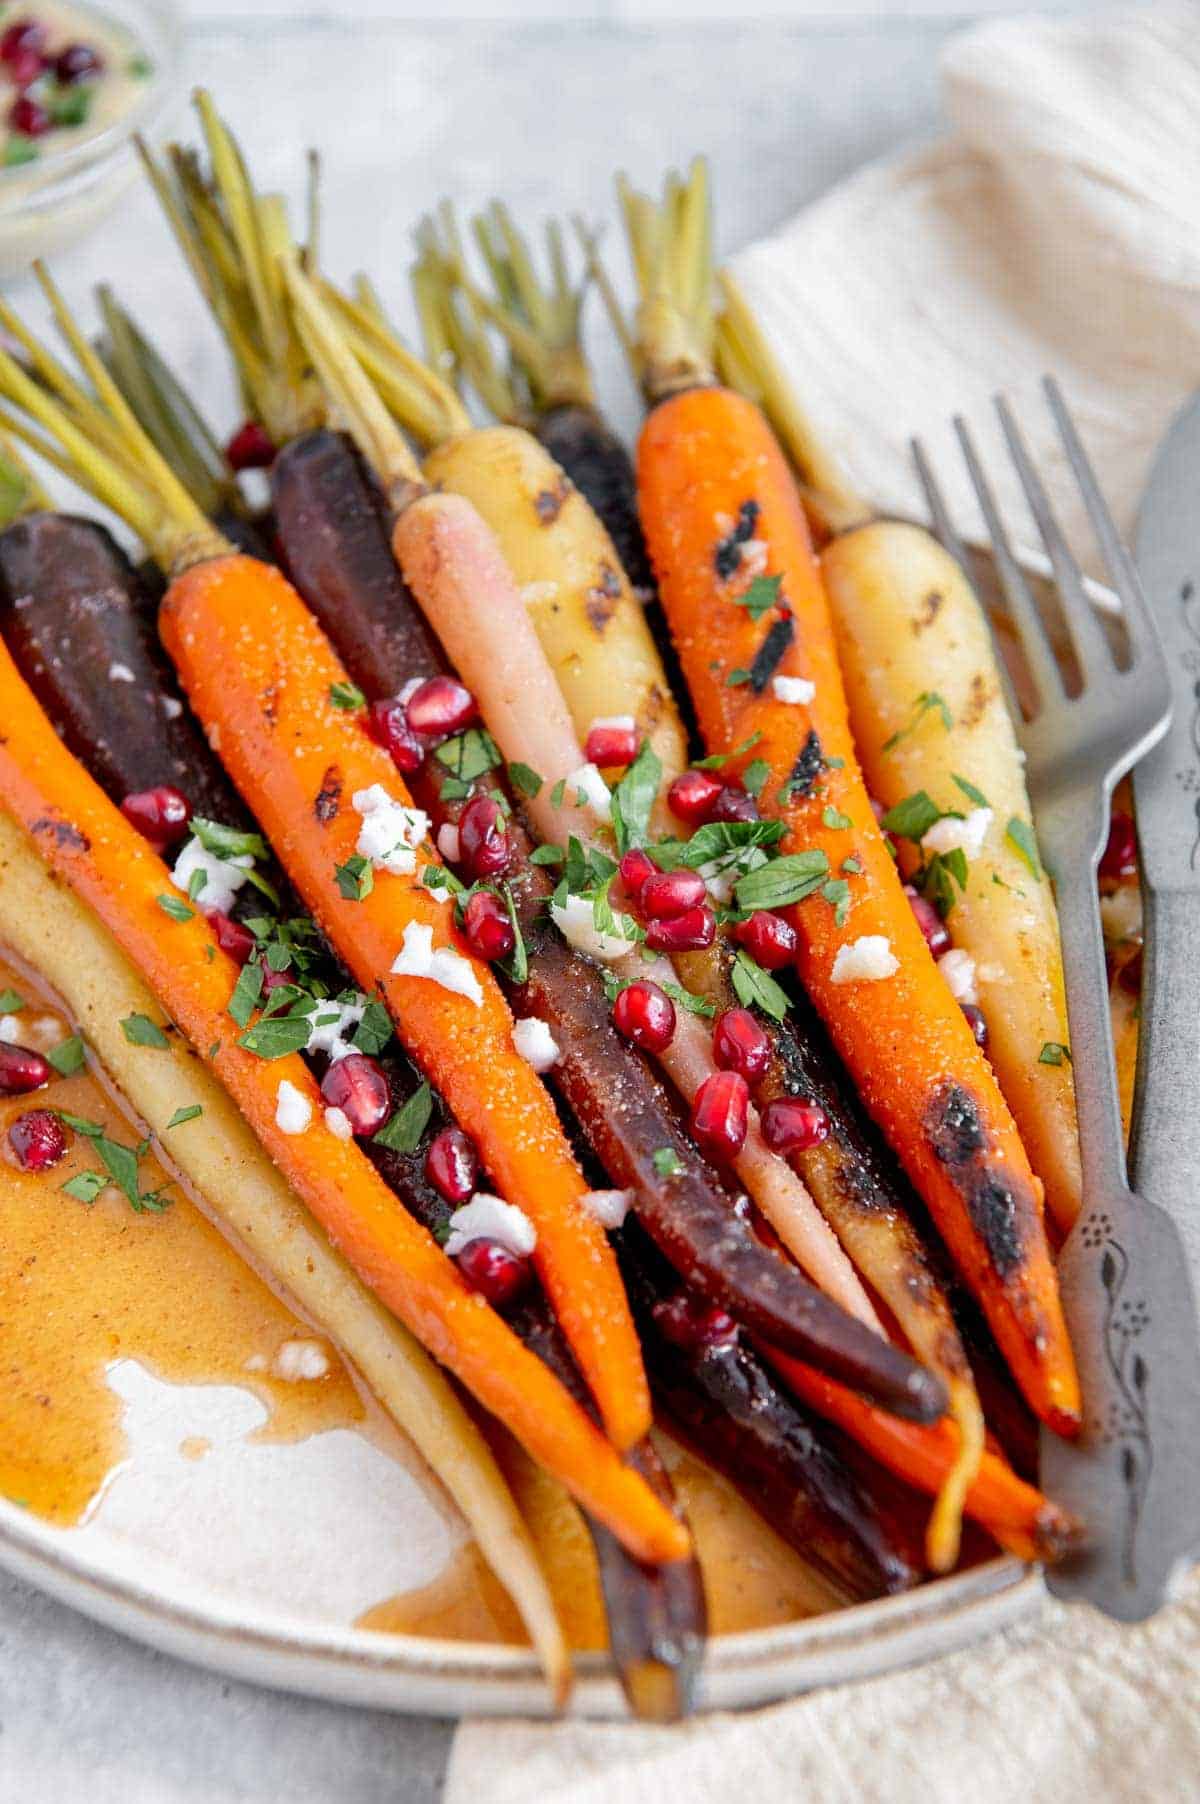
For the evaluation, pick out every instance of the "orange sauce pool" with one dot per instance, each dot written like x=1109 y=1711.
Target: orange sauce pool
x=82 y=1285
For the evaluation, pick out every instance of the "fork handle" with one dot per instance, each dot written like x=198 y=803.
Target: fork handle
x=1164 y=1141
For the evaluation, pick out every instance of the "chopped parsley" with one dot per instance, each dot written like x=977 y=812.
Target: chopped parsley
x=756 y=988
x=760 y=597
x=524 y=779
x=227 y=842
x=558 y=792
x=837 y=893
x=1020 y=836
x=140 y=1030
x=68 y=1056
x=276 y=1035
x=738 y=678
x=754 y=776
x=355 y=878
x=120 y=1168
x=11 y=1001
x=547 y=855
x=913 y=817
x=666 y=1161
x=347 y=696
x=783 y=881
x=374 y=1030
x=716 y=760
x=470 y=755
x=928 y=702
x=192 y=1113
x=634 y=797
x=178 y=911
x=85 y=1186
x=246 y=993
x=969 y=790
x=833 y=817
x=402 y=1132
x=1054 y=1053
x=938 y=876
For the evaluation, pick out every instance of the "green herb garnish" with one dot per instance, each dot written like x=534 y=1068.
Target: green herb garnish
x=178 y=911
x=355 y=878
x=929 y=701
x=68 y=1056
x=140 y=1030
x=347 y=696
x=756 y=988
x=666 y=1161
x=783 y=881
x=192 y=1113
x=760 y=597
x=1021 y=838
x=401 y=1133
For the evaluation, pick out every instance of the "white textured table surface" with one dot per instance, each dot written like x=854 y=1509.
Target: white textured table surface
x=543 y=111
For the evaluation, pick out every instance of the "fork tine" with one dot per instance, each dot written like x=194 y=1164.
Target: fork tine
x=1091 y=646
x=1143 y=634
x=939 y=513
x=1034 y=641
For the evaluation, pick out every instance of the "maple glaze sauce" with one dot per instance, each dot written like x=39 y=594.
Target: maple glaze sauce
x=82 y=1285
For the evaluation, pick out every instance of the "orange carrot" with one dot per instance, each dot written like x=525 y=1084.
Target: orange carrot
x=86 y=841
x=720 y=508
x=1019 y=1516
x=260 y=674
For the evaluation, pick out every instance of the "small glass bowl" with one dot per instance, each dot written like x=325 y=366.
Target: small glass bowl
x=51 y=203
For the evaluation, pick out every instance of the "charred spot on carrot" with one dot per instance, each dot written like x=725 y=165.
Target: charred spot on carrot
x=63 y=833
x=727 y=557
x=327 y=798
x=771 y=652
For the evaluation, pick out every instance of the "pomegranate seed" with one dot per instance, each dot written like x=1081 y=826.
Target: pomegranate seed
x=1120 y=854
x=388 y=726
x=20 y=38
x=483 y=845
x=161 y=815
x=741 y=1043
x=38 y=1138
x=1130 y=974
x=691 y=1323
x=636 y=868
x=489 y=932
x=251 y=448
x=357 y=1086
x=22 y=1070
x=768 y=938
x=25 y=68
x=232 y=937
x=792 y=1126
x=440 y=705
x=451 y=1165
x=734 y=804
x=493 y=1271
x=720 y=1116
x=274 y=980
x=691 y=931
x=610 y=746
x=937 y=934
x=78 y=62
x=692 y=795
x=976 y=1023
x=29 y=117
x=646 y=1015
x=670 y=893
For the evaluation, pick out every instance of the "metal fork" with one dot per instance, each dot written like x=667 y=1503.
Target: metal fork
x=1133 y=1476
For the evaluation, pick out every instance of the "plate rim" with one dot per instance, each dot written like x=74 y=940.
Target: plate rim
x=410 y=1674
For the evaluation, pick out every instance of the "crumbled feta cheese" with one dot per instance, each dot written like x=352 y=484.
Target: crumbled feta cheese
x=793 y=689
x=488 y=1217
x=338 y=1123
x=753 y=561
x=120 y=673
x=865 y=960
x=332 y=1024
x=446 y=967
x=575 y=920
x=1121 y=912
x=610 y=1207
x=958 y=968
x=594 y=790
x=617 y=723
x=448 y=842
x=172 y=707
x=535 y=1043
x=293 y=1111
x=223 y=877
x=952 y=835
x=390 y=832
x=10 y=1030
x=299 y=1359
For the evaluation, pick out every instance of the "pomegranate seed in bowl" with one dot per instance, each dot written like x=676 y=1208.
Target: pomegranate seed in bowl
x=487 y=928
x=451 y=1165
x=611 y=743
x=22 y=1069
x=741 y=1043
x=768 y=938
x=692 y=794
x=38 y=1139
x=720 y=1116
x=438 y=706
x=790 y=1125
x=637 y=867
x=250 y=448
x=161 y=815
x=670 y=893
x=498 y=1275
x=646 y=1015
x=483 y=845
x=693 y=1324
x=358 y=1087
x=22 y=52
x=78 y=62
x=1119 y=858
x=29 y=117
x=387 y=723
x=937 y=935
x=690 y=931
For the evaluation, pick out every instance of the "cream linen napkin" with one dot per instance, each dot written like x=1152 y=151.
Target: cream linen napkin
x=1058 y=229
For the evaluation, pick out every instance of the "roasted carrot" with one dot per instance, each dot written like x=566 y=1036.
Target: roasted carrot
x=744 y=599
x=87 y=842
x=1024 y=1521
